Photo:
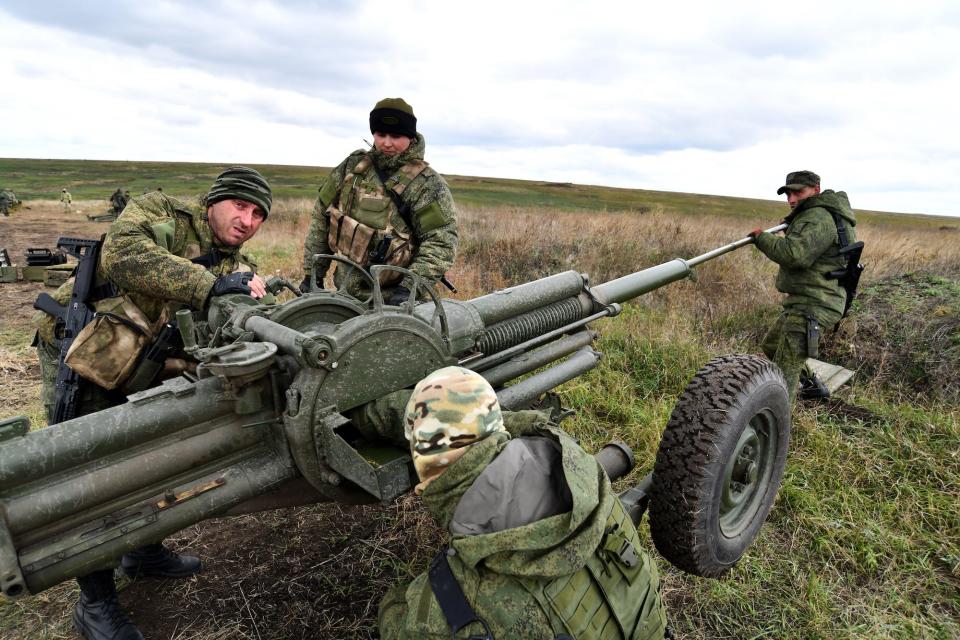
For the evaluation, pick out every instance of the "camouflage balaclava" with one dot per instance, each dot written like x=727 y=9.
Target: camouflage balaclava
x=241 y=183
x=448 y=411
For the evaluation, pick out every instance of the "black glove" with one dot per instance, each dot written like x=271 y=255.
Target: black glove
x=305 y=285
x=398 y=296
x=232 y=283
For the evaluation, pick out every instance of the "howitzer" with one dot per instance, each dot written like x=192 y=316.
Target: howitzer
x=296 y=403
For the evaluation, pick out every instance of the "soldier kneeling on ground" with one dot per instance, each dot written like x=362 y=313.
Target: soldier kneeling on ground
x=539 y=544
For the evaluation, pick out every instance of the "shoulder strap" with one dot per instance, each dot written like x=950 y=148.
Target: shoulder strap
x=841 y=229
x=456 y=609
x=397 y=188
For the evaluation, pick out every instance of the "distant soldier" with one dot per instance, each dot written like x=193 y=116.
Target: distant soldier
x=161 y=255
x=384 y=205
x=8 y=201
x=117 y=202
x=65 y=200
x=819 y=224
x=539 y=545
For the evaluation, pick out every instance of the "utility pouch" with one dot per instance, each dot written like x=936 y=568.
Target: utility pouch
x=107 y=349
x=355 y=240
x=349 y=237
x=813 y=337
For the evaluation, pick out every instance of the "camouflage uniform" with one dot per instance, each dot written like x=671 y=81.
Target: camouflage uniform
x=65 y=199
x=147 y=255
x=539 y=543
x=8 y=201
x=433 y=239
x=806 y=253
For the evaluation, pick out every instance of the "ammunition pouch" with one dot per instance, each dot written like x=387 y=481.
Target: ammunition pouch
x=107 y=349
x=354 y=238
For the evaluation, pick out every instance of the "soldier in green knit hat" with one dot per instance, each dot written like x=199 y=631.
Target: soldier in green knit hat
x=384 y=205
x=161 y=255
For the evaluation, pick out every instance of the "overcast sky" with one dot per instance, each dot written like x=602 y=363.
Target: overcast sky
x=707 y=97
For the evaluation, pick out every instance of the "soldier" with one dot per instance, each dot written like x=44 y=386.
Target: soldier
x=117 y=201
x=384 y=205
x=65 y=200
x=8 y=201
x=539 y=545
x=160 y=255
x=807 y=253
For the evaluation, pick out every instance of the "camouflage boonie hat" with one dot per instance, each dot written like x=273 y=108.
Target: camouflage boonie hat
x=448 y=411
x=797 y=180
x=241 y=183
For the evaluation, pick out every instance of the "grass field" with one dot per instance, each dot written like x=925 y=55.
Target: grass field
x=97 y=179
x=864 y=541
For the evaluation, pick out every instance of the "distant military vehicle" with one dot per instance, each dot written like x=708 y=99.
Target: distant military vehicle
x=282 y=411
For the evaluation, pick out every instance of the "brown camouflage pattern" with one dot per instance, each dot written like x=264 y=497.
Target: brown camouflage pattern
x=427 y=192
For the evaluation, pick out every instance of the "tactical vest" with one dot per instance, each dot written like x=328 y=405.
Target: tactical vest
x=364 y=214
x=616 y=596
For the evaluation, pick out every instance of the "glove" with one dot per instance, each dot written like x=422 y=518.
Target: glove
x=753 y=234
x=398 y=296
x=305 y=285
x=232 y=283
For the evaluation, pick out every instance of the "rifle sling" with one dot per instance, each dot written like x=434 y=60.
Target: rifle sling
x=455 y=606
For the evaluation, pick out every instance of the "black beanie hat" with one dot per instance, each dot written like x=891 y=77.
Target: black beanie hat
x=242 y=183
x=393 y=115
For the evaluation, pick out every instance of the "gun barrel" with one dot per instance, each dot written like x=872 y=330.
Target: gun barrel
x=636 y=284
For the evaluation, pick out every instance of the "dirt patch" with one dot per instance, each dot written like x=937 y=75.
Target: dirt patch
x=316 y=572
x=904 y=333
x=40 y=226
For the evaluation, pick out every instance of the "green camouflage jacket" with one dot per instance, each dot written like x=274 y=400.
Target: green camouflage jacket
x=432 y=211
x=808 y=251
x=147 y=253
x=532 y=579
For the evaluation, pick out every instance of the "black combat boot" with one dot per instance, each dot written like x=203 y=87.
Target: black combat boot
x=155 y=560
x=812 y=387
x=98 y=615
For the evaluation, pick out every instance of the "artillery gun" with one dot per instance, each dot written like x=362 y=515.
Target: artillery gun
x=291 y=404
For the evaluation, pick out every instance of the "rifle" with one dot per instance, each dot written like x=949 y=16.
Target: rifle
x=382 y=251
x=849 y=276
x=166 y=345
x=74 y=317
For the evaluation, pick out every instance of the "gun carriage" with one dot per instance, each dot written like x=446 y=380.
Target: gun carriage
x=289 y=406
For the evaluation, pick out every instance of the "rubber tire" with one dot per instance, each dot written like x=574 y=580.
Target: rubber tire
x=701 y=438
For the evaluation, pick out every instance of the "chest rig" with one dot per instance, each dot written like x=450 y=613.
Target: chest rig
x=369 y=221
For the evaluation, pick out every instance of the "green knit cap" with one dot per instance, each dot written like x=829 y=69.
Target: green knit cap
x=242 y=183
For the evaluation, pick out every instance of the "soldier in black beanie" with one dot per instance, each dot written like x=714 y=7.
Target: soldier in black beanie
x=384 y=205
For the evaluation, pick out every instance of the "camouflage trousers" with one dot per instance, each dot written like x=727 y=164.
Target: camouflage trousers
x=786 y=343
x=91 y=398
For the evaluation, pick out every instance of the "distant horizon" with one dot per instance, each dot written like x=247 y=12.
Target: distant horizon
x=471 y=176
